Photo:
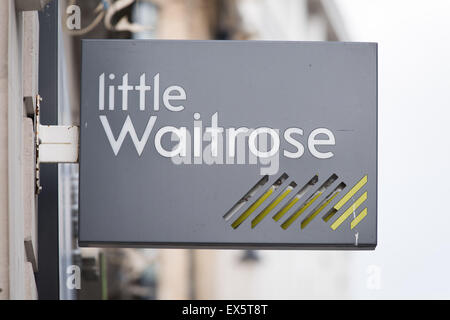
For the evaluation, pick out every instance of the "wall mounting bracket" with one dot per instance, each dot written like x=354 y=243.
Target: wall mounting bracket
x=54 y=143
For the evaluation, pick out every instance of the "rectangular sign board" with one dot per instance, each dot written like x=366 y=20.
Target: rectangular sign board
x=228 y=144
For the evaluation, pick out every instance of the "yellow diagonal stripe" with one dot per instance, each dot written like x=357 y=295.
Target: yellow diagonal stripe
x=285 y=209
x=271 y=206
x=349 y=211
x=358 y=219
x=252 y=208
x=317 y=211
x=351 y=193
x=294 y=217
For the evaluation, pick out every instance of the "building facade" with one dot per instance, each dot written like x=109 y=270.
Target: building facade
x=19 y=49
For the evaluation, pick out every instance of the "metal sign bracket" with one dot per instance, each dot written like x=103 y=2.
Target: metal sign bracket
x=54 y=144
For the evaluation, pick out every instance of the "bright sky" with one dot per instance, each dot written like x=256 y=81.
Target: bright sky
x=413 y=250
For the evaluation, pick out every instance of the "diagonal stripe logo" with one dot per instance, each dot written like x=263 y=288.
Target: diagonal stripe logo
x=270 y=196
